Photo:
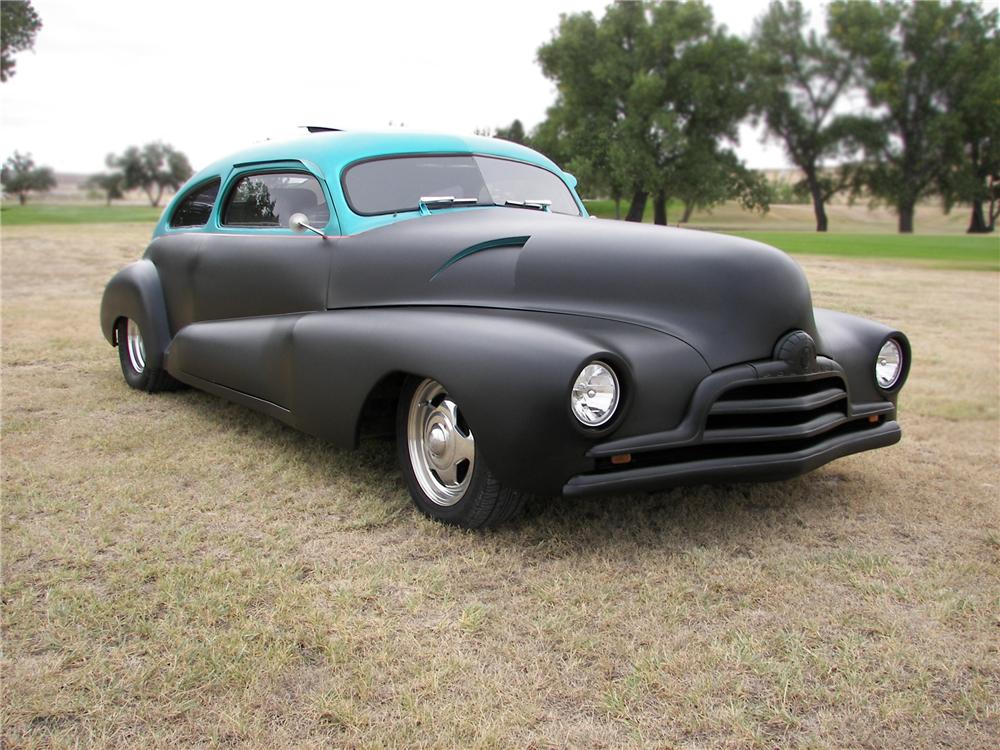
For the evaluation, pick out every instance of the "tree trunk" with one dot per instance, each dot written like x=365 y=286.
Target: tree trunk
x=905 y=211
x=688 y=210
x=638 y=206
x=22 y=198
x=618 y=207
x=159 y=194
x=819 y=209
x=660 y=209
x=994 y=204
x=977 y=224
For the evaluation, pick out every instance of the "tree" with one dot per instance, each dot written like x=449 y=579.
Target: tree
x=549 y=137
x=19 y=23
x=20 y=176
x=799 y=78
x=708 y=96
x=905 y=56
x=639 y=89
x=109 y=183
x=707 y=179
x=513 y=132
x=580 y=127
x=153 y=168
x=973 y=102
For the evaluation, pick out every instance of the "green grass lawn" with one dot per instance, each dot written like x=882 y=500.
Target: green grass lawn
x=53 y=213
x=851 y=236
x=979 y=252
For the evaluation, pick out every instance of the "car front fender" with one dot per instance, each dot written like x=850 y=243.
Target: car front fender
x=854 y=343
x=511 y=373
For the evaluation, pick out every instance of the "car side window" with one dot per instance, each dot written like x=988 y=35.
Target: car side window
x=196 y=207
x=270 y=198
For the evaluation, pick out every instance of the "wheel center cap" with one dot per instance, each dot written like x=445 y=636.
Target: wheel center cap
x=437 y=441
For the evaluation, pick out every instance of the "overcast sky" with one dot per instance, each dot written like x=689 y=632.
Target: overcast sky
x=211 y=77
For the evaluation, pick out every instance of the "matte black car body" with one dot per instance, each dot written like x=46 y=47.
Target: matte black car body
x=726 y=370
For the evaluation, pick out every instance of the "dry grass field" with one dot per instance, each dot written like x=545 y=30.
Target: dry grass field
x=180 y=572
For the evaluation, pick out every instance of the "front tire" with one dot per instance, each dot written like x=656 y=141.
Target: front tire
x=132 y=356
x=447 y=478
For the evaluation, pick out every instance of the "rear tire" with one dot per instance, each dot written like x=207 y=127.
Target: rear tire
x=132 y=356
x=447 y=478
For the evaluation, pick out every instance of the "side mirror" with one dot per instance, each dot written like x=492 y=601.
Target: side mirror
x=299 y=222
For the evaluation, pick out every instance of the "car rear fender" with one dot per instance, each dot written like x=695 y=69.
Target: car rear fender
x=135 y=293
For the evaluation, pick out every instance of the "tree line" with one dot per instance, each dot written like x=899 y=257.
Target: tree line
x=153 y=168
x=651 y=95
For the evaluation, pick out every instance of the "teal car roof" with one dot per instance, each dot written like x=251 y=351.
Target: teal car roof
x=330 y=152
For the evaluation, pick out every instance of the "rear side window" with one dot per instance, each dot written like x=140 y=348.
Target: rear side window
x=196 y=207
x=270 y=198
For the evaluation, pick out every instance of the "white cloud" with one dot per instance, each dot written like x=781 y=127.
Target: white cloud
x=212 y=77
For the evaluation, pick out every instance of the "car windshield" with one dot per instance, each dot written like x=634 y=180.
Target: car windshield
x=386 y=186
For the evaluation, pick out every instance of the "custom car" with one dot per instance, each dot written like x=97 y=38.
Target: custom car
x=452 y=291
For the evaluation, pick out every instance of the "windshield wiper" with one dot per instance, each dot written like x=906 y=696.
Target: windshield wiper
x=426 y=201
x=538 y=205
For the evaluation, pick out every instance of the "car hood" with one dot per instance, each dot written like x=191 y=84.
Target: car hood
x=729 y=298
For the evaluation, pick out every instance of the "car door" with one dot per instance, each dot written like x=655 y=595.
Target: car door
x=253 y=264
x=242 y=279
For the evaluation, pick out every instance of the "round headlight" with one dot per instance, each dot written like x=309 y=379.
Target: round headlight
x=595 y=394
x=889 y=364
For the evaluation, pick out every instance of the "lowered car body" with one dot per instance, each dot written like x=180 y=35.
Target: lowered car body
x=522 y=348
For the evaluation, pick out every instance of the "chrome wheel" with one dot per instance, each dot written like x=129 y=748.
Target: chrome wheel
x=441 y=446
x=136 y=348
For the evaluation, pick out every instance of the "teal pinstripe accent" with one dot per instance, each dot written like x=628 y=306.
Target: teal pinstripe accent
x=479 y=247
